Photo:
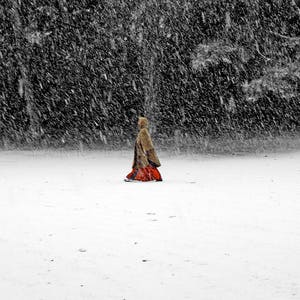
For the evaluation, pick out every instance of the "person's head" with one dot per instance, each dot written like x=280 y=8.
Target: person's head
x=143 y=122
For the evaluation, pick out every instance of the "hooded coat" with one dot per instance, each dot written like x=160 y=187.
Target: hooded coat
x=144 y=152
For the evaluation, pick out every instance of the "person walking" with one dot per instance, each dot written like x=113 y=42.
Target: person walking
x=145 y=162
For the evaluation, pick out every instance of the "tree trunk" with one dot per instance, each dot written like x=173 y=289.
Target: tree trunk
x=150 y=88
x=227 y=20
x=25 y=87
x=63 y=10
x=141 y=30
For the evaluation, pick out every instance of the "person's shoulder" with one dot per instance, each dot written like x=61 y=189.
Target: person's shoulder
x=144 y=131
x=144 y=134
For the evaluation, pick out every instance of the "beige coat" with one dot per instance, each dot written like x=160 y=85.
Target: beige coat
x=144 y=153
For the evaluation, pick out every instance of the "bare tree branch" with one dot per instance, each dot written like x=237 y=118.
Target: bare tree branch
x=292 y=38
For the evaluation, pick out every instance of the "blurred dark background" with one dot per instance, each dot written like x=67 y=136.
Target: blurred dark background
x=83 y=71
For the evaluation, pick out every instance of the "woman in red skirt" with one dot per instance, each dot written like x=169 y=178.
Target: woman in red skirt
x=145 y=162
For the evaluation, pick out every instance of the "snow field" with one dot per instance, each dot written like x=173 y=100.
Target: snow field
x=216 y=228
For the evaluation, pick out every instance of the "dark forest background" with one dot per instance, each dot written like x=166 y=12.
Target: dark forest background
x=83 y=71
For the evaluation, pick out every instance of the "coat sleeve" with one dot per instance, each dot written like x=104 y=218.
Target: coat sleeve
x=146 y=141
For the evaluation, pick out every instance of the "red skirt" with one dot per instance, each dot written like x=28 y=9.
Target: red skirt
x=145 y=174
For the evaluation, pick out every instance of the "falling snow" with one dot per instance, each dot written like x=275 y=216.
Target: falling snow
x=80 y=73
x=213 y=77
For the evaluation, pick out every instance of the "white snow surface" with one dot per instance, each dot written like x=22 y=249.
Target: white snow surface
x=216 y=228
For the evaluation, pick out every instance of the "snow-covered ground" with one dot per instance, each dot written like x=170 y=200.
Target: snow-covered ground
x=216 y=228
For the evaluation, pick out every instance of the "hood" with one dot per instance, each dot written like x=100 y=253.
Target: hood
x=143 y=122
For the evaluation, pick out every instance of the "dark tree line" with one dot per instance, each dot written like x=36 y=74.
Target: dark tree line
x=82 y=71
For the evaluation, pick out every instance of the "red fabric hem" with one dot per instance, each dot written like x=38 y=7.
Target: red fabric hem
x=148 y=173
